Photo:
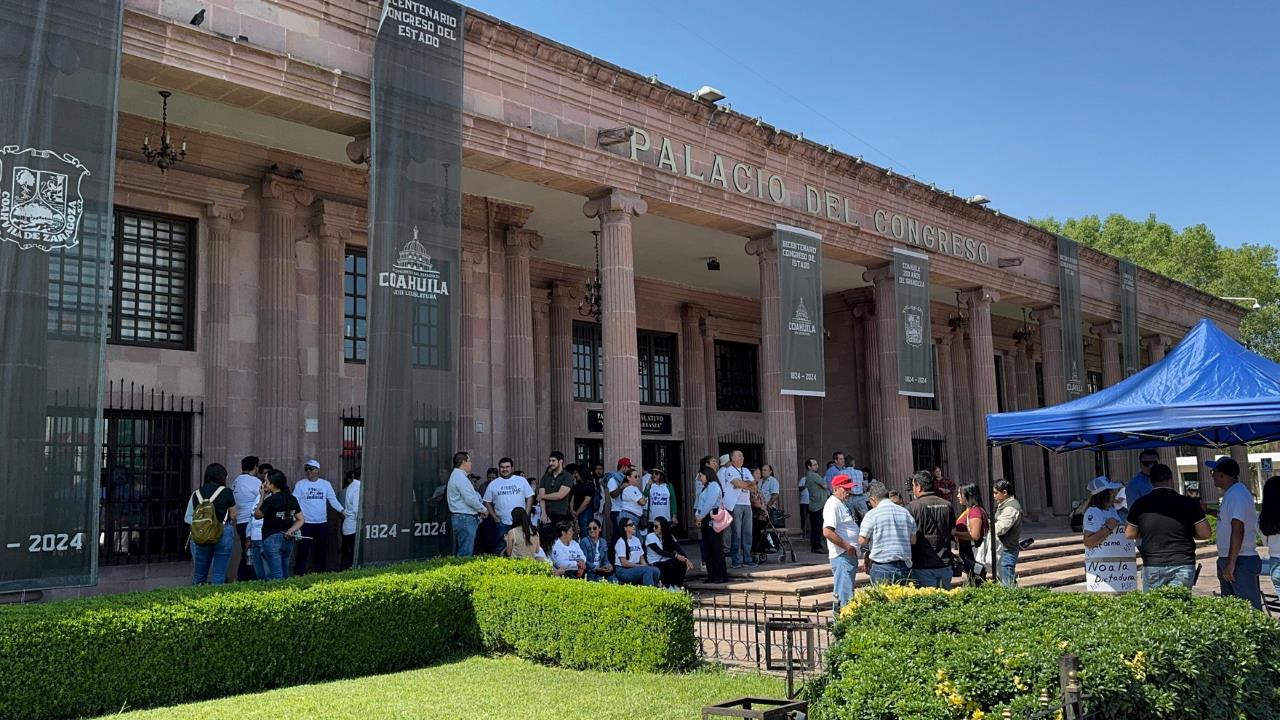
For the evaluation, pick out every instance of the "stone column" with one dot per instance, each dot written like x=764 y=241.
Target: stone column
x=562 y=312
x=861 y=447
x=693 y=390
x=472 y=328
x=709 y=382
x=542 y=373
x=779 y=409
x=1208 y=491
x=1240 y=453
x=618 y=322
x=1157 y=346
x=1055 y=392
x=330 y=317
x=217 y=332
x=1119 y=468
x=960 y=376
x=864 y=314
x=276 y=420
x=982 y=368
x=946 y=396
x=522 y=434
x=1030 y=458
x=893 y=406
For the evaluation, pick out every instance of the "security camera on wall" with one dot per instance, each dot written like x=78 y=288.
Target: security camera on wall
x=713 y=264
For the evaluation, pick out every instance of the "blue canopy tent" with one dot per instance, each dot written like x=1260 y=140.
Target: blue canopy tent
x=1209 y=391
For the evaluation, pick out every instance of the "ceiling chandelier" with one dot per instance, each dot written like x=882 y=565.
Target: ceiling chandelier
x=590 y=305
x=167 y=155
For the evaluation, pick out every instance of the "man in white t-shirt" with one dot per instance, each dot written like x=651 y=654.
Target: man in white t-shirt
x=1238 y=563
x=313 y=494
x=350 y=517
x=504 y=494
x=841 y=532
x=737 y=482
x=246 y=489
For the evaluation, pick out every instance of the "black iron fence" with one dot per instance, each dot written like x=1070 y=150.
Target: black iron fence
x=777 y=635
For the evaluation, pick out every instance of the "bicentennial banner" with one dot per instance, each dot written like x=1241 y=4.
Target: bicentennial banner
x=800 y=305
x=1073 y=369
x=61 y=64
x=915 y=344
x=415 y=204
x=1129 y=340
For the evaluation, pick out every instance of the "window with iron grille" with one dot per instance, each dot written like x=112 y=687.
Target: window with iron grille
x=588 y=362
x=145 y=486
x=927 y=403
x=659 y=360
x=431 y=330
x=75 y=276
x=737 y=377
x=352 y=444
x=355 y=305
x=151 y=277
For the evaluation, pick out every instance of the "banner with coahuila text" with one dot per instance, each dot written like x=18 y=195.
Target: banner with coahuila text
x=59 y=67
x=414 y=246
x=1131 y=360
x=800 y=304
x=1078 y=464
x=911 y=300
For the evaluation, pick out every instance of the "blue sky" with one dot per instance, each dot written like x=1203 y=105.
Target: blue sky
x=1048 y=108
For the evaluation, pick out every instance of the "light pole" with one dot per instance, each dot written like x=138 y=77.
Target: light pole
x=1256 y=305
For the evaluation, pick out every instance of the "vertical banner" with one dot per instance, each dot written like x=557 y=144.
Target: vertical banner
x=911 y=302
x=1131 y=357
x=414 y=246
x=800 y=303
x=59 y=69
x=1079 y=465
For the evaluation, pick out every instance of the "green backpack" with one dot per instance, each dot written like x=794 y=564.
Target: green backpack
x=206 y=526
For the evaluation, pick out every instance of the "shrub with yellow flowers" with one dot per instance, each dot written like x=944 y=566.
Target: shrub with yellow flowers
x=904 y=653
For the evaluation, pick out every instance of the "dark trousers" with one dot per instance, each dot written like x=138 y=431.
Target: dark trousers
x=815 y=530
x=311 y=551
x=804 y=516
x=348 y=551
x=713 y=553
x=671 y=572
x=245 y=570
x=547 y=532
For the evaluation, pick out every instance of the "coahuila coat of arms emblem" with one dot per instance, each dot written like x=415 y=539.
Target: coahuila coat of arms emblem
x=40 y=200
x=913 y=323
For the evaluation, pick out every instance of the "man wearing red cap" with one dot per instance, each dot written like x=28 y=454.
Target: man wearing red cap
x=841 y=532
x=615 y=482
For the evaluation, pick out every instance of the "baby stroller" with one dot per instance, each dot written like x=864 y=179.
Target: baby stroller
x=770 y=537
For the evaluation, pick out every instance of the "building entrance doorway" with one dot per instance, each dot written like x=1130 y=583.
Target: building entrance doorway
x=669 y=456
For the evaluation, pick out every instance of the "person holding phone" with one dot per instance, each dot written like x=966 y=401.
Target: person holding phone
x=282 y=521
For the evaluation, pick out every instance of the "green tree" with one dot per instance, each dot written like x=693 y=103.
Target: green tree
x=1192 y=256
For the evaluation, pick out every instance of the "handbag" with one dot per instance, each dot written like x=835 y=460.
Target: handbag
x=721 y=519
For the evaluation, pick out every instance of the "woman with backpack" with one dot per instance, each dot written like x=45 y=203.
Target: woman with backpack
x=209 y=511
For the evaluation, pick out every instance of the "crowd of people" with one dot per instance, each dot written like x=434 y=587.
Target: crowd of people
x=282 y=530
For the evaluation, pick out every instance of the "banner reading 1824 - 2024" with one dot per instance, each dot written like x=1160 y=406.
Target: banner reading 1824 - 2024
x=915 y=346
x=414 y=246
x=60 y=63
x=800 y=306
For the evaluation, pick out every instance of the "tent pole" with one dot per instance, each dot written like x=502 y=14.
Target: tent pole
x=989 y=502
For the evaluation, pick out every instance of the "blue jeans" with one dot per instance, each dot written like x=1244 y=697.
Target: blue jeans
x=639 y=575
x=890 y=573
x=584 y=519
x=931 y=577
x=503 y=529
x=740 y=536
x=1245 y=586
x=1275 y=576
x=255 y=557
x=844 y=567
x=209 y=562
x=1158 y=576
x=276 y=550
x=464 y=534
x=1009 y=567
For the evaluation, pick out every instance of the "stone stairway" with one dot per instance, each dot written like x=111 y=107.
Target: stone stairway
x=1055 y=560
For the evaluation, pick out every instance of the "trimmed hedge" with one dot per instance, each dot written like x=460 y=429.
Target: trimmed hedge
x=584 y=625
x=912 y=655
x=98 y=655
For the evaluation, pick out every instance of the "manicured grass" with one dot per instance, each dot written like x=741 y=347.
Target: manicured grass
x=489 y=688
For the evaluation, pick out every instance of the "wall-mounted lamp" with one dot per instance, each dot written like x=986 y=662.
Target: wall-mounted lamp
x=1256 y=304
x=708 y=94
x=713 y=264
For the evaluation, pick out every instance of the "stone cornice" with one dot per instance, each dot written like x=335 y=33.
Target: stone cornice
x=508 y=214
x=615 y=204
x=276 y=188
x=522 y=242
x=335 y=221
x=221 y=197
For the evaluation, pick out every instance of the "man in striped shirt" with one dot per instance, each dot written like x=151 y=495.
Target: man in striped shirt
x=886 y=533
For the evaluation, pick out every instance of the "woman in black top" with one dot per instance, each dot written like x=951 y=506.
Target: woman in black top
x=281 y=522
x=209 y=562
x=664 y=554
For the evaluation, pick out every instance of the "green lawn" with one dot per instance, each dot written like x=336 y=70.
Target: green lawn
x=488 y=688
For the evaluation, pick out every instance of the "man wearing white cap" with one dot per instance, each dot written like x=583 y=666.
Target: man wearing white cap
x=313 y=492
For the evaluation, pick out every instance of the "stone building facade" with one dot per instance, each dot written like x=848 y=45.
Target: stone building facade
x=262 y=325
